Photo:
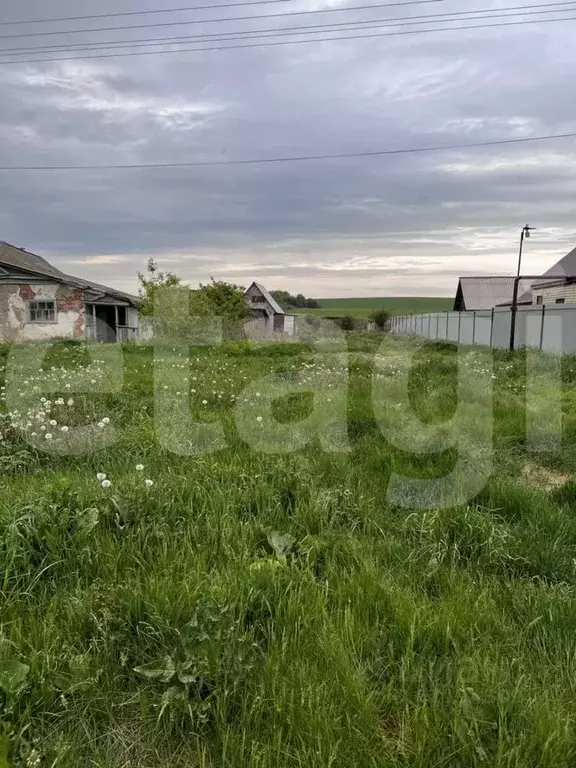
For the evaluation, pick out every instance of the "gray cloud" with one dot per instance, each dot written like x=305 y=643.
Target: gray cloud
x=394 y=225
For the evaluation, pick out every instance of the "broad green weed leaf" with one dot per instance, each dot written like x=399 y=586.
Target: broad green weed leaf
x=158 y=670
x=281 y=543
x=12 y=674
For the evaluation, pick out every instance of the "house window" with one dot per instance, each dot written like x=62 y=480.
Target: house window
x=560 y=301
x=539 y=299
x=41 y=311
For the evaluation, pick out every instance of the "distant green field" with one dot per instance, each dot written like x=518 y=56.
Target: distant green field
x=365 y=306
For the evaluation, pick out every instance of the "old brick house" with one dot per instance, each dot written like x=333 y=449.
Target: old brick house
x=39 y=302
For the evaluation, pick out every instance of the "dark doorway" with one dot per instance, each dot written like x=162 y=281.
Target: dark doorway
x=105 y=323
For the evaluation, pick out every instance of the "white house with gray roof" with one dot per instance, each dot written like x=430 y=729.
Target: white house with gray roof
x=556 y=286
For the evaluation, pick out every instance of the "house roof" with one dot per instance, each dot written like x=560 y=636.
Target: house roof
x=489 y=292
x=566 y=266
x=97 y=288
x=29 y=262
x=270 y=299
x=20 y=259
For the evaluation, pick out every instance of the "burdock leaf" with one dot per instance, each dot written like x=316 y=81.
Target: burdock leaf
x=12 y=674
x=281 y=543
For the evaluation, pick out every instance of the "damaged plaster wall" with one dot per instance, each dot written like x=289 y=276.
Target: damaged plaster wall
x=14 y=325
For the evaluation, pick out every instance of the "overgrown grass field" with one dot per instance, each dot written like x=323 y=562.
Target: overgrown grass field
x=241 y=608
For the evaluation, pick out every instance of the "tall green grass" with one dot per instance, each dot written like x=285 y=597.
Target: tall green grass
x=263 y=610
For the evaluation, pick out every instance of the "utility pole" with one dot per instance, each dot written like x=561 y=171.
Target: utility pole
x=525 y=233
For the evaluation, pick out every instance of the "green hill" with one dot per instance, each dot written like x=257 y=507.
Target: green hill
x=364 y=307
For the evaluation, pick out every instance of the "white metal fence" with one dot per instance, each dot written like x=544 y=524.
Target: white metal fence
x=550 y=328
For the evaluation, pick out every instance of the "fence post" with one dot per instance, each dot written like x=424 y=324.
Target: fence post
x=474 y=328
x=459 y=324
x=492 y=326
x=447 y=321
x=542 y=326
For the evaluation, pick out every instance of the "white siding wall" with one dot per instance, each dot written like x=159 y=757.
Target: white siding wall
x=549 y=295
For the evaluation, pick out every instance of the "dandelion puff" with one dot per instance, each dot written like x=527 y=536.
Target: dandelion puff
x=148 y=483
x=70 y=402
x=100 y=476
x=139 y=467
x=105 y=483
x=48 y=436
x=101 y=424
x=259 y=418
x=53 y=422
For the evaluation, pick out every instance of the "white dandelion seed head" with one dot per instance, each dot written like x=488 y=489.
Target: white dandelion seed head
x=100 y=476
x=139 y=467
x=148 y=483
x=105 y=483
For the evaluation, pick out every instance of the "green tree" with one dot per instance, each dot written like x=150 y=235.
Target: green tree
x=150 y=283
x=380 y=317
x=162 y=295
x=224 y=300
x=347 y=323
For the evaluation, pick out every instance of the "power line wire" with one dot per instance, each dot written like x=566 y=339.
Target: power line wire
x=292 y=159
x=275 y=43
x=307 y=29
x=159 y=10
x=218 y=21
x=301 y=29
x=142 y=13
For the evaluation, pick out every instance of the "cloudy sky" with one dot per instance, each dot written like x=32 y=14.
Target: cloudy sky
x=378 y=226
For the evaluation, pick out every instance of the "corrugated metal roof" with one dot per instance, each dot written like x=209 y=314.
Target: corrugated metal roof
x=489 y=292
x=270 y=299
